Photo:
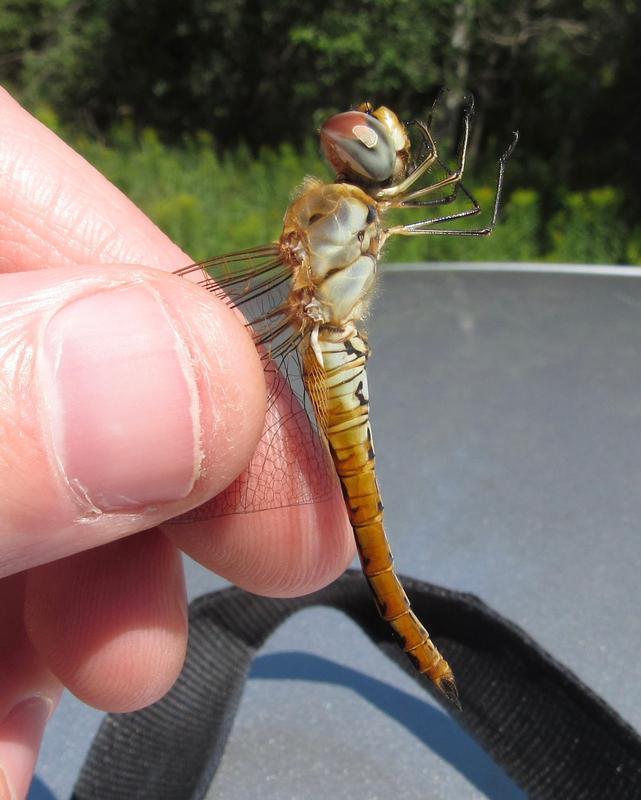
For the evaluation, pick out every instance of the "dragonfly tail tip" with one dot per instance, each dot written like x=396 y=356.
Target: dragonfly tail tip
x=447 y=686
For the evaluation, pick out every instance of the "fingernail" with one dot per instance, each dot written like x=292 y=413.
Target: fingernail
x=122 y=400
x=20 y=735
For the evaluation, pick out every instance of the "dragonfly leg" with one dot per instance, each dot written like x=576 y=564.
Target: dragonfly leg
x=453 y=178
x=426 y=227
x=476 y=209
x=438 y=201
x=313 y=311
x=457 y=185
x=399 y=191
x=390 y=192
x=425 y=147
x=313 y=340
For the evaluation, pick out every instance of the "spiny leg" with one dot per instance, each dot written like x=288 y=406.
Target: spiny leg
x=457 y=185
x=426 y=226
x=425 y=146
x=452 y=177
x=391 y=192
x=447 y=199
x=399 y=189
x=471 y=212
x=437 y=201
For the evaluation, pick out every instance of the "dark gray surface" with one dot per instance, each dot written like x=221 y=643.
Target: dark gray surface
x=507 y=422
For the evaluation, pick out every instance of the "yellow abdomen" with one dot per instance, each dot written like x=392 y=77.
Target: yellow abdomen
x=340 y=395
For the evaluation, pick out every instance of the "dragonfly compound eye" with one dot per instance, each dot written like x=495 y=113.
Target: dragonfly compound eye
x=358 y=146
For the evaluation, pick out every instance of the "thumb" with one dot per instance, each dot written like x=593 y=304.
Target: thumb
x=128 y=396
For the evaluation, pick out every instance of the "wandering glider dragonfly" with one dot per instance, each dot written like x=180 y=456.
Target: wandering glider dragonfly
x=324 y=264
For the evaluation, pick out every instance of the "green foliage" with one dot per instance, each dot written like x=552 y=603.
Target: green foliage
x=54 y=46
x=242 y=69
x=633 y=248
x=207 y=203
x=589 y=229
x=564 y=73
x=212 y=203
x=520 y=228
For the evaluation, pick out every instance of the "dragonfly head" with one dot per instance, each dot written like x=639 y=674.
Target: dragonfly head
x=366 y=145
x=359 y=147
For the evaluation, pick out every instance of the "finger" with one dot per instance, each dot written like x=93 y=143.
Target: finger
x=312 y=544
x=56 y=210
x=283 y=552
x=127 y=396
x=111 y=623
x=28 y=693
x=274 y=531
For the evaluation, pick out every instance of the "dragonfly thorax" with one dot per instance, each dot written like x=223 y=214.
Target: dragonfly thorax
x=332 y=236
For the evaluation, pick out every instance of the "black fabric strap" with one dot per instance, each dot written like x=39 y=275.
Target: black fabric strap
x=550 y=732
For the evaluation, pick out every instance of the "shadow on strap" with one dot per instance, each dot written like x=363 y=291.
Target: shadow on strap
x=435 y=729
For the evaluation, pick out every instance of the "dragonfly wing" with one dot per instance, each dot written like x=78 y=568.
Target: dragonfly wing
x=255 y=281
x=291 y=465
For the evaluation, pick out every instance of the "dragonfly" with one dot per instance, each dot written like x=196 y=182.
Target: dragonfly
x=323 y=268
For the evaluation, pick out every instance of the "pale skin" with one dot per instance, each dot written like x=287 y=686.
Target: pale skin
x=92 y=593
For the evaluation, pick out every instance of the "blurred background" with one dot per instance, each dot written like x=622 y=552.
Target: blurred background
x=206 y=112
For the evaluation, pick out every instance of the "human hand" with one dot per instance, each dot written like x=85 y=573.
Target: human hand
x=128 y=396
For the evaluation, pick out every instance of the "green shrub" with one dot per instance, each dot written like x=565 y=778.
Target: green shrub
x=183 y=219
x=589 y=229
x=519 y=230
x=633 y=248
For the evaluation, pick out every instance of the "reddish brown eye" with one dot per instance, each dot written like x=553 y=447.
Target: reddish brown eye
x=358 y=146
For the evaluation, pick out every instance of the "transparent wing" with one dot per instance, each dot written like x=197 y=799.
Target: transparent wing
x=257 y=282
x=291 y=465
